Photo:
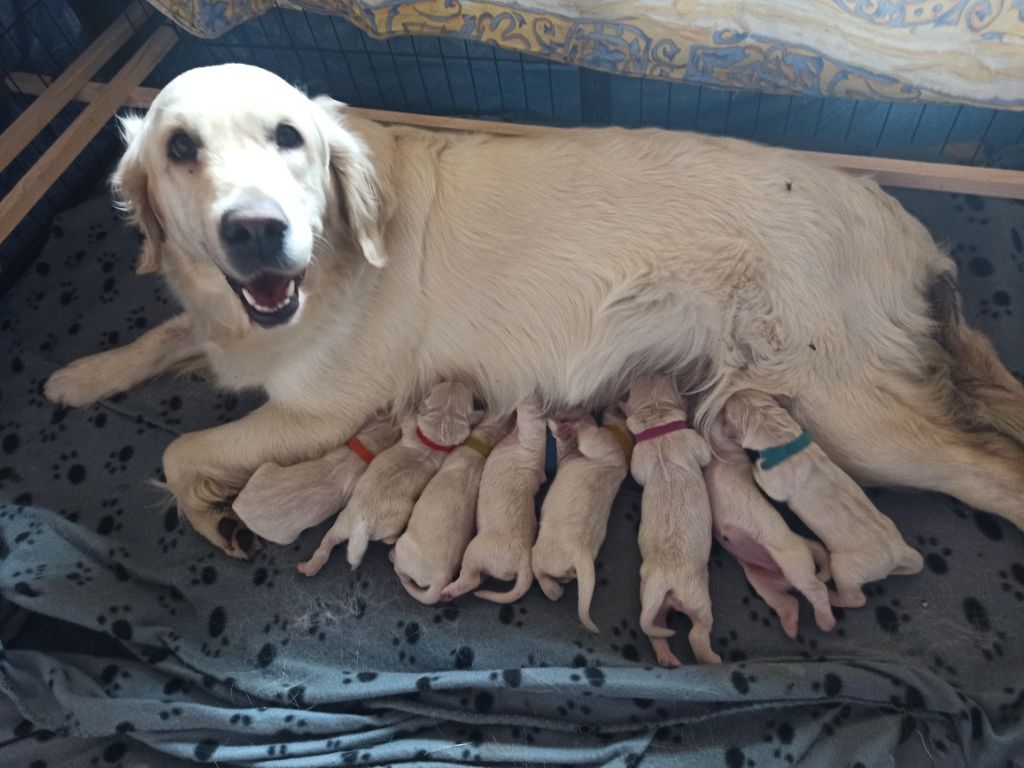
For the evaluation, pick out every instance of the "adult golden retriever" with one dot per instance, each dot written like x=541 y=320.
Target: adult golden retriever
x=342 y=266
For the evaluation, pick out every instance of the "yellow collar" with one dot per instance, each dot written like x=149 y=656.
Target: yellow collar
x=478 y=445
x=624 y=440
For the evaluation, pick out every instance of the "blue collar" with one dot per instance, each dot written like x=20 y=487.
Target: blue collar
x=772 y=457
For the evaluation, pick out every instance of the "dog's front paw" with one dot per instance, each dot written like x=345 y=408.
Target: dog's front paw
x=82 y=383
x=206 y=504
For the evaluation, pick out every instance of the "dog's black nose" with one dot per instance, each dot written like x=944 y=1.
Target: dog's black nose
x=253 y=235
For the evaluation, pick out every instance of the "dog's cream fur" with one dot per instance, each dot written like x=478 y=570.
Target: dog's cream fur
x=774 y=558
x=428 y=554
x=864 y=545
x=564 y=263
x=383 y=498
x=574 y=516
x=675 y=521
x=278 y=503
x=506 y=515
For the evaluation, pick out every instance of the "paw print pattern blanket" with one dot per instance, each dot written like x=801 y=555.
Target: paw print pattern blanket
x=139 y=645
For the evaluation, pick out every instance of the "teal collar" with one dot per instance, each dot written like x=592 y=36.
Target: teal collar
x=772 y=457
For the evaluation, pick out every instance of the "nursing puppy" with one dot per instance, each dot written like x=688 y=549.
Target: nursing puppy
x=675 y=522
x=384 y=496
x=506 y=515
x=774 y=559
x=278 y=503
x=592 y=463
x=863 y=544
x=427 y=556
x=341 y=265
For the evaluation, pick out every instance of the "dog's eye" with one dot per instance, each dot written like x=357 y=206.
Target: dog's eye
x=182 y=148
x=287 y=137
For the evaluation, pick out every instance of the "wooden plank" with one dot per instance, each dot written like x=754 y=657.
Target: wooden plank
x=62 y=90
x=65 y=149
x=993 y=182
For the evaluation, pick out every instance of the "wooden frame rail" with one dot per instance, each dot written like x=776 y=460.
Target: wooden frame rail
x=40 y=177
x=913 y=174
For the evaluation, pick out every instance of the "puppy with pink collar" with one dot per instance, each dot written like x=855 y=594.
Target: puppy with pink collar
x=675 y=523
x=592 y=463
x=384 y=496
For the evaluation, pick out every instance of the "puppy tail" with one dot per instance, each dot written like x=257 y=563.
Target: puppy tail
x=585 y=578
x=358 y=541
x=653 y=601
x=986 y=394
x=524 y=578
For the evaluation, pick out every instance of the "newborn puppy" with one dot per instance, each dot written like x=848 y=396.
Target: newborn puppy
x=506 y=517
x=863 y=543
x=428 y=554
x=592 y=463
x=773 y=558
x=675 y=523
x=278 y=503
x=384 y=496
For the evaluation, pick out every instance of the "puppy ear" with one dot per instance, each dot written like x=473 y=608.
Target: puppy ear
x=354 y=176
x=130 y=187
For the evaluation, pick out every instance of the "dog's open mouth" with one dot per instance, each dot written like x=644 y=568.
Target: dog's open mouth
x=270 y=298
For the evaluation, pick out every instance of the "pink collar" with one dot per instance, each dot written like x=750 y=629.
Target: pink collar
x=432 y=445
x=661 y=429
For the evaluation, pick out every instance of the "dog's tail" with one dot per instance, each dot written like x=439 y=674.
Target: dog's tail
x=524 y=578
x=653 y=600
x=987 y=396
x=358 y=541
x=585 y=578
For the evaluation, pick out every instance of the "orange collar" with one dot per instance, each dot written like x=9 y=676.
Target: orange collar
x=360 y=450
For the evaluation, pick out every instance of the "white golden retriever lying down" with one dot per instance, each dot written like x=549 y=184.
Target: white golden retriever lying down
x=342 y=266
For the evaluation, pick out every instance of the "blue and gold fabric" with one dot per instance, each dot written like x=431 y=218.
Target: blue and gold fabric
x=969 y=51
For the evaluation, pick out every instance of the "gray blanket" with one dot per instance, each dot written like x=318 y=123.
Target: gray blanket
x=166 y=651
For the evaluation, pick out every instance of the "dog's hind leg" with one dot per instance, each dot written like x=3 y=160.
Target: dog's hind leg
x=913 y=443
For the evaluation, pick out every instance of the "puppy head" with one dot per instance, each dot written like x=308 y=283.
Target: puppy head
x=447 y=414
x=236 y=176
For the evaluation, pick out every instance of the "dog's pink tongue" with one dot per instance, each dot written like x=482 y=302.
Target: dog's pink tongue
x=269 y=290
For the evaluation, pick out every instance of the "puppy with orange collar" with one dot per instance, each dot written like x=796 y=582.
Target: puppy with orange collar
x=384 y=496
x=278 y=503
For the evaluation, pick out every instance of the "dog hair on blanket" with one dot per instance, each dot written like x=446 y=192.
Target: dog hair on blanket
x=864 y=545
x=384 y=496
x=675 y=522
x=592 y=463
x=774 y=558
x=278 y=503
x=506 y=516
x=427 y=556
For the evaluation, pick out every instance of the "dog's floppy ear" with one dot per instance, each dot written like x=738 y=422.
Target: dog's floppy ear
x=352 y=171
x=130 y=185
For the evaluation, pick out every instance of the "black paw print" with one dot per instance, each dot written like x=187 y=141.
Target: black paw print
x=203 y=572
x=29 y=534
x=10 y=438
x=96 y=233
x=74 y=259
x=117 y=461
x=110 y=339
x=160 y=296
x=57 y=426
x=109 y=290
x=108 y=261
x=76 y=326
x=215 y=625
x=115 y=620
x=115 y=556
x=169 y=599
x=26 y=580
x=14 y=352
x=48 y=344
x=627 y=632
x=111 y=756
x=137 y=318
x=98 y=420
x=1013 y=581
x=69 y=467
x=409 y=634
x=889 y=617
x=171 y=405
x=174 y=531
x=934 y=560
x=81 y=575
x=264 y=576
x=111 y=678
x=224 y=406
x=68 y=293
x=35 y=300
x=509 y=615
